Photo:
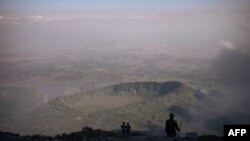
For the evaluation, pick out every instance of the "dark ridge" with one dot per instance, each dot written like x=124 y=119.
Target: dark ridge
x=89 y=134
x=209 y=138
x=146 y=88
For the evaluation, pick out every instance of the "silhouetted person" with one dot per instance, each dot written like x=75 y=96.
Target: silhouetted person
x=171 y=126
x=128 y=129
x=123 y=126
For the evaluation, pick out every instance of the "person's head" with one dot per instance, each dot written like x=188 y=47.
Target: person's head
x=127 y=123
x=171 y=116
x=123 y=122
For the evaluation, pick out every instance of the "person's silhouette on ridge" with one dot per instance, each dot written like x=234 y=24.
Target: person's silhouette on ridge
x=171 y=126
x=128 y=128
x=123 y=126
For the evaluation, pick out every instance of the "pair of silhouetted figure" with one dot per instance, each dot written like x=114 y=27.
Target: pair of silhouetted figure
x=125 y=128
x=171 y=126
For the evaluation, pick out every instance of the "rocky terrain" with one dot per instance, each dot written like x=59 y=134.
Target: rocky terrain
x=89 y=134
x=145 y=105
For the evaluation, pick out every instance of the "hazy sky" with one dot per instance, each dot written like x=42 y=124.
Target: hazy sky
x=73 y=7
x=201 y=25
x=39 y=38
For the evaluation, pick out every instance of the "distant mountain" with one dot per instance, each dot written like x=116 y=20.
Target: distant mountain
x=146 y=105
x=146 y=89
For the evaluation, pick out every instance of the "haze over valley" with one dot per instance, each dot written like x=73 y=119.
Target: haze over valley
x=67 y=65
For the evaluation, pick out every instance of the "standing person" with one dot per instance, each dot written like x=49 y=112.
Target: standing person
x=171 y=126
x=123 y=126
x=128 y=128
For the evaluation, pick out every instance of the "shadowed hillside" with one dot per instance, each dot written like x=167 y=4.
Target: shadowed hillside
x=146 y=105
x=89 y=134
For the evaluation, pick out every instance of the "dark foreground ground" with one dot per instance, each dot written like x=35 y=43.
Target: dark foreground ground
x=89 y=134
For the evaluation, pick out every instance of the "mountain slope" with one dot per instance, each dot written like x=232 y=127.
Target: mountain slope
x=90 y=134
x=146 y=105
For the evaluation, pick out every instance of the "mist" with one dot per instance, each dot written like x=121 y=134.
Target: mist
x=53 y=50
